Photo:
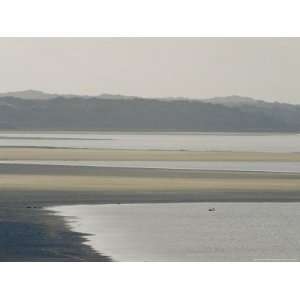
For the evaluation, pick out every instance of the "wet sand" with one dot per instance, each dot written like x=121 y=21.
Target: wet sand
x=30 y=233
x=72 y=178
x=137 y=184
x=27 y=153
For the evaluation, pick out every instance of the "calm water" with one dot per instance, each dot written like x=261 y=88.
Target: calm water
x=151 y=140
x=189 y=232
x=261 y=166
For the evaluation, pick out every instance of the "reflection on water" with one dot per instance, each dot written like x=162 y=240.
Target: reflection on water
x=164 y=141
x=190 y=231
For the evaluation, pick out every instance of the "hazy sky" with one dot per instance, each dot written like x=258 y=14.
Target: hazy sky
x=263 y=68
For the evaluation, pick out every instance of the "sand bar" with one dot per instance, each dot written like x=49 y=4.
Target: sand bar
x=24 y=153
x=122 y=183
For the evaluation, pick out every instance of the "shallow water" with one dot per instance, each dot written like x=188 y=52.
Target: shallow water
x=189 y=232
x=200 y=141
x=244 y=166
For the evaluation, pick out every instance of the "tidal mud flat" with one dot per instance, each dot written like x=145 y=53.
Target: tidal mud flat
x=30 y=231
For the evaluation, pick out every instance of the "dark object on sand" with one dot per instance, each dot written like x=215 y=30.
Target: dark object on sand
x=212 y=209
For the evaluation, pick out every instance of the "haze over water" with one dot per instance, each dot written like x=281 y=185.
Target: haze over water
x=197 y=141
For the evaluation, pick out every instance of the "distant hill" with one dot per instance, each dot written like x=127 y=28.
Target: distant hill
x=234 y=101
x=29 y=94
x=36 y=95
x=117 y=112
x=39 y=95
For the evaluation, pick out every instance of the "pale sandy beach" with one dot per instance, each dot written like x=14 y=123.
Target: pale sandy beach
x=22 y=153
x=134 y=184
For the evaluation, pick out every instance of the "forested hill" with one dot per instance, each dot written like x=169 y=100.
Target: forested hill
x=108 y=112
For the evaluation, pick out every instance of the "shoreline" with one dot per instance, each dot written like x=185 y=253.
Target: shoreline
x=51 y=238
x=37 y=234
